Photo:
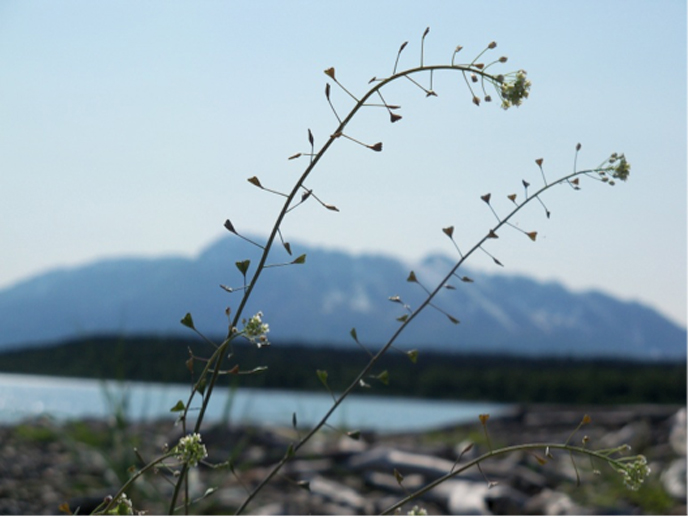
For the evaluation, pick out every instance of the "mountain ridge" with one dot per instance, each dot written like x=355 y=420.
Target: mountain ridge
x=320 y=301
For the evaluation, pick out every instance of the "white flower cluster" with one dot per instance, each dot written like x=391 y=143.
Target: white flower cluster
x=190 y=450
x=255 y=330
x=513 y=92
x=122 y=506
x=621 y=169
x=635 y=472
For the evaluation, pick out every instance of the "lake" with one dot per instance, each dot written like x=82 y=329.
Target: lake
x=64 y=398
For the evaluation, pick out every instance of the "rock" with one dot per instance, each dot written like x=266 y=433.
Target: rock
x=674 y=479
x=339 y=494
x=465 y=497
x=387 y=459
x=549 y=502
x=677 y=435
x=505 y=500
x=637 y=434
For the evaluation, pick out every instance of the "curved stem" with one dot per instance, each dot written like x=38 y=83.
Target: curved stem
x=133 y=478
x=495 y=452
x=220 y=353
x=355 y=383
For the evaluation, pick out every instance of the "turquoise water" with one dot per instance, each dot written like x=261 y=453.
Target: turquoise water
x=27 y=396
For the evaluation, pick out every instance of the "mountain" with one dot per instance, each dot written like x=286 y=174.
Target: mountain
x=320 y=301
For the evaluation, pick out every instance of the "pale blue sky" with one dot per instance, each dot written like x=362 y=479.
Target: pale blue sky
x=129 y=128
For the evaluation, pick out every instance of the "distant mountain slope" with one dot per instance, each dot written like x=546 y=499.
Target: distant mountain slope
x=321 y=301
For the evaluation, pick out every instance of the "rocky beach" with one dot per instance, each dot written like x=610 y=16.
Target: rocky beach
x=45 y=463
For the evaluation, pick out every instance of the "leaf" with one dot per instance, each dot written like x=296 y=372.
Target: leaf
x=301 y=259
x=398 y=476
x=376 y=147
x=403 y=45
x=257 y=369
x=306 y=195
x=467 y=448
x=290 y=450
x=354 y=435
x=486 y=198
x=395 y=299
x=200 y=385
x=331 y=207
x=393 y=117
x=532 y=235
x=243 y=265
x=330 y=72
x=383 y=377
x=412 y=277
x=293 y=420
x=179 y=406
x=187 y=321
x=327 y=91
x=449 y=231
x=305 y=484
x=64 y=508
x=466 y=279
x=525 y=183
x=226 y=288
x=586 y=420
x=230 y=226
x=322 y=375
x=413 y=355
x=540 y=460
x=294 y=156
x=189 y=364
x=476 y=101
x=255 y=181
x=287 y=247
x=426 y=32
x=453 y=319
x=512 y=197
x=484 y=418
x=497 y=262
x=492 y=235
x=539 y=162
x=450 y=287
x=310 y=137
x=354 y=334
x=402 y=318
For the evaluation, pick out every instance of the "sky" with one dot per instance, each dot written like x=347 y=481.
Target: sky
x=130 y=128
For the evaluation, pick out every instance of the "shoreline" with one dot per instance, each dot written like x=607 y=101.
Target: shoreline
x=45 y=463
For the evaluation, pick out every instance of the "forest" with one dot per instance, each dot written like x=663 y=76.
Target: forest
x=496 y=378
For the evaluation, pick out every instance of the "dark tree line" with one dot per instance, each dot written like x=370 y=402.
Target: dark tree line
x=498 y=378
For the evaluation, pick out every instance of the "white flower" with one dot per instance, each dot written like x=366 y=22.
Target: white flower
x=190 y=450
x=513 y=92
x=635 y=472
x=255 y=329
x=122 y=506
